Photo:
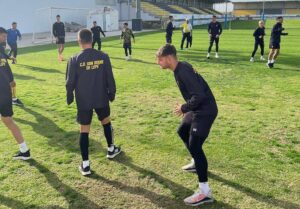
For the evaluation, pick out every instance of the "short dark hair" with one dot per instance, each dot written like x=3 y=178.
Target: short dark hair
x=214 y=16
x=85 y=36
x=3 y=30
x=279 y=18
x=14 y=23
x=166 y=50
x=94 y=21
x=57 y=15
x=126 y=23
x=170 y=17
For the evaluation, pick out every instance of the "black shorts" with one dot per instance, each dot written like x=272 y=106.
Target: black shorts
x=6 y=110
x=60 y=40
x=84 y=117
x=126 y=45
x=274 y=45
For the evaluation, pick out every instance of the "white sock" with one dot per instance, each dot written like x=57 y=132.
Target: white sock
x=23 y=147
x=204 y=188
x=111 y=148
x=85 y=163
x=269 y=61
x=14 y=99
x=272 y=61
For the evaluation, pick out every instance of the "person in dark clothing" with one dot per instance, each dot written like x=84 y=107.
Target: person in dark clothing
x=12 y=36
x=259 y=34
x=126 y=36
x=169 y=30
x=90 y=75
x=275 y=41
x=58 y=31
x=96 y=30
x=6 y=109
x=214 y=31
x=199 y=113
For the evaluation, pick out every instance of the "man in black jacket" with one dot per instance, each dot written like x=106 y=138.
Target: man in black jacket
x=169 y=30
x=275 y=41
x=6 y=110
x=259 y=34
x=90 y=75
x=58 y=31
x=96 y=30
x=199 y=113
x=214 y=31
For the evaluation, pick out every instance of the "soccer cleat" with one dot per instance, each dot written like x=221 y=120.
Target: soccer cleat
x=127 y=58
x=114 y=153
x=271 y=65
x=22 y=156
x=208 y=56
x=198 y=199
x=217 y=55
x=251 y=59
x=189 y=167
x=85 y=171
x=14 y=61
x=262 y=58
x=17 y=102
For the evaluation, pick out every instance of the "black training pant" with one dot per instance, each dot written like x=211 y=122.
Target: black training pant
x=262 y=46
x=98 y=41
x=185 y=36
x=169 y=39
x=193 y=131
x=13 y=49
x=211 y=42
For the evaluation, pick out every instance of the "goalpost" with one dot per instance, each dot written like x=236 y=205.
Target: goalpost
x=73 y=18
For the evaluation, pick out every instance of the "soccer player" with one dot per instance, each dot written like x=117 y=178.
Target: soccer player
x=126 y=36
x=259 y=34
x=199 y=113
x=90 y=75
x=12 y=36
x=214 y=31
x=6 y=110
x=169 y=30
x=13 y=85
x=96 y=30
x=186 y=33
x=275 y=41
x=58 y=31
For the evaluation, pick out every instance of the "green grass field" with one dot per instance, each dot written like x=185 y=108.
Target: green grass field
x=253 y=149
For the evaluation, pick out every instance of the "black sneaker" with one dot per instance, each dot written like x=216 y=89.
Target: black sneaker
x=85 y=171
x=271 y=65
x=22 y=156
x=17 y=102
x=114 y=153
x=190 y=167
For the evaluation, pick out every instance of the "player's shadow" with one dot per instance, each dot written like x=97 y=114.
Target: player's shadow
x=256 y=195
x=134 y=60
x=39 y=69
x=179 y=191
x=56 y=136
x=12 y=203
x=26 y=77
x=74 y=198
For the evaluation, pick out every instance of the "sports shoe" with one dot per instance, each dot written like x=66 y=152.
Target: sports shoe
x=114 y=153
x=262 y=58
x=271 y=65
x=208 y=55
x=217 y=55
x=22 y=156
x=198 y=198
x=189 y=167
x=126 y=58
x=14 y=61
x=251 y=59
x=16 y=101
x=129 y=57
x=85 y=171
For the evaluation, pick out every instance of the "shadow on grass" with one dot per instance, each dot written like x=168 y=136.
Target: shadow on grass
x=39 y=69
x=26 y=77
x=256 y=195
x=12 y=203
x=135 y=60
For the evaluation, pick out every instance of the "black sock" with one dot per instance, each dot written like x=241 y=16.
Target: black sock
x=84 y=145
x=109 y=134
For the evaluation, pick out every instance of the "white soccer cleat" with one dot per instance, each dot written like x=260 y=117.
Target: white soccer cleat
x=251 y=59
x=126 y=58
x=217 y=56
x=208 y=55
x=262 y=58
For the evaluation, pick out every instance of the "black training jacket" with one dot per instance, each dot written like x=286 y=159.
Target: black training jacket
x=259 y=32
x=6 y=77
x=96 y=32
x=215 y=28
x=276 y=33
x=195 y=91
x=90 y=74
x=58 y=30
x=169 y=29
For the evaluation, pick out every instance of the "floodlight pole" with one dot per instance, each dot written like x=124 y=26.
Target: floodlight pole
x=263 y=12
x=226 y=11
x=138 y=9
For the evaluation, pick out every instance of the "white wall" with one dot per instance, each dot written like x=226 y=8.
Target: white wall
x=221 y=7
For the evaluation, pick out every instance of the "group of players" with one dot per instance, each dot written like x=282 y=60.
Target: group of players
x=89 y=75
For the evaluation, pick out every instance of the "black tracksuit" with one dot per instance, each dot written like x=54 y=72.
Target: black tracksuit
x=214 y=29
x=96 y=36
x=6 y=77
x=276 y=36
x=199 y=111
x=58 y=31
x=259 y=34
x=169 y=32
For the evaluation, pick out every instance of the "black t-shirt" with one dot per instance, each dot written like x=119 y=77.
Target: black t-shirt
x=59 y=30
x=170 y=28
x=6 y=77
x=215 y=28
x=96 y=32
x=194 y=89
x=90 y=74
x=259 y=32
x=276 y=33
